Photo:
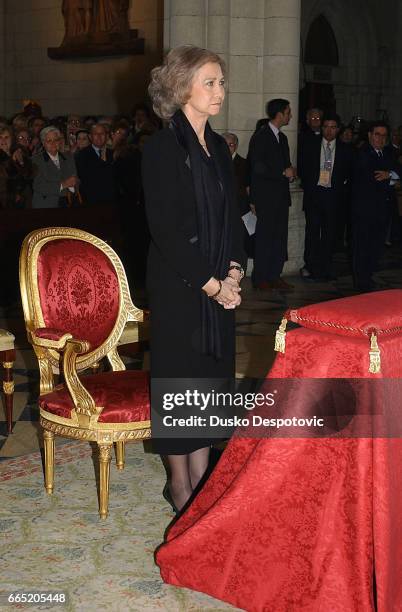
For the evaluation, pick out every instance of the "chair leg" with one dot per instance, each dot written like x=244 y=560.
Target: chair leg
x=8 y=388
x=105 y=455
x=120 y=455
x=48 y=438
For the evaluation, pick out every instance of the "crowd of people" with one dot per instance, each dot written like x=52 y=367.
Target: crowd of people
x=28 y=141
x=349 y=179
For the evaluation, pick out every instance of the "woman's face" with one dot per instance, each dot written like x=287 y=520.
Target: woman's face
x=5 y=142
x=20 y=122
x=207 y=91
x=37 y=125
x=24 y=139
x=119 y=136
x=82 y=140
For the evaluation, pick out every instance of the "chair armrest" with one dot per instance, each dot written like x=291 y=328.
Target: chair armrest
x=83 y=401
x=49 y=337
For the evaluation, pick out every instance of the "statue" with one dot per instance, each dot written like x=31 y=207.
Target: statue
x=97 y=28
x=77 y=18
x=112 y=16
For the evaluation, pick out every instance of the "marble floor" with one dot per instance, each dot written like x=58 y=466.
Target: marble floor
x=257 y=321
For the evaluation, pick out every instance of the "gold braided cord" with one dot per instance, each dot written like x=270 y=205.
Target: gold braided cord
x=391 y=330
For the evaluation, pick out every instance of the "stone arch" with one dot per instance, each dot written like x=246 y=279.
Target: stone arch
x=321 y=46
x=356 y=43
x=357 y=40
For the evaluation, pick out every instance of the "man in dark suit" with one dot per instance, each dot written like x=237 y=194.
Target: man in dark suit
x=240 y=168
x=326 y=169
x=375 y=168
x=96 y=171
x=270 y=172
x=310 y=133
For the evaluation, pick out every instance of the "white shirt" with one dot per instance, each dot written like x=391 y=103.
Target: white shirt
x=275 y=130
x=55 y=159
x=324 y=144
x=98 y=151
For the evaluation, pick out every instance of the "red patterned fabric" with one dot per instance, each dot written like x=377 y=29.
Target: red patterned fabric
x=49 y=333
x=354 y=316
x=78 y=289
x=124 y=396
x=299 y=525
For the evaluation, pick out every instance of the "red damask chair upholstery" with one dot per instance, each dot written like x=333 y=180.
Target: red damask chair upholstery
x=76 y=304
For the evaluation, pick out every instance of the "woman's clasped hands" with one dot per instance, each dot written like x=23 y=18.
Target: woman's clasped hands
x=226 y=292
x=229 y=296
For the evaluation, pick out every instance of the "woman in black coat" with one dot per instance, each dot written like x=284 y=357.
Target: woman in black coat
x=195 y=258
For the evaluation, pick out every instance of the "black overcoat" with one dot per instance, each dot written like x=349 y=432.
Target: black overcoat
x=177 y=270
x=98 y=184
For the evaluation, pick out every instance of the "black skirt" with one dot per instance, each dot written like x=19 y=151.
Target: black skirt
x=176 y=330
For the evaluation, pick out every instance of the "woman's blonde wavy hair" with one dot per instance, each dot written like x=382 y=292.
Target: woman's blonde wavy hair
x=171 y=82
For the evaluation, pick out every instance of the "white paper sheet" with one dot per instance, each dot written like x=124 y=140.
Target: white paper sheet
x=250 y=222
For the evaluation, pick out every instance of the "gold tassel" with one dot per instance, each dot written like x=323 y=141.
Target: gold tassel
x=280 y=337
x=375 y=357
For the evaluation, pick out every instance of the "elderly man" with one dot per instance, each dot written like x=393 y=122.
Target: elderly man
x=309 y=136
x=372 y=197
x=270 y=173
x=241 y=175
x=310 y=132
x=96 y=171
x=55 y=172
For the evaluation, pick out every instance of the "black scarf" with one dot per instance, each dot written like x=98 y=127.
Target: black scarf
x=214 y=239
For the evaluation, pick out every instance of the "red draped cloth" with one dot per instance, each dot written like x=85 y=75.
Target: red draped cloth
x=300 y=525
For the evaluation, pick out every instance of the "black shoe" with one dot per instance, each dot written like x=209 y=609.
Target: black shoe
x=168 y=496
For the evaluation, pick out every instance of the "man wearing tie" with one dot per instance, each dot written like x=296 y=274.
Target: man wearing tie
x=375 y=168
x=270 y=173
x=326 y=171
x=96 y=171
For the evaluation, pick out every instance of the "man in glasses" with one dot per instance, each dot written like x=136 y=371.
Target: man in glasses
x=375 y=171
x=241 y=176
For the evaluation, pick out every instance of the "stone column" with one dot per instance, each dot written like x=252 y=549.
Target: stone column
x=2 y=59
x=185 y=23
x=260 y=42
x=218 y=40
x=281 y=80
x=282 y=58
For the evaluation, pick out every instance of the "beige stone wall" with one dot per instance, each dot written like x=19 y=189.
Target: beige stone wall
x=259 y=40
x=90 y=86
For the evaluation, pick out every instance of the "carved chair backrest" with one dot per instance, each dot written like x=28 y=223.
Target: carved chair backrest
x=74 y=282
x=78 y=289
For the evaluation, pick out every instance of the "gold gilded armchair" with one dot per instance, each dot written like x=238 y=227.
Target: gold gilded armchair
x=76 y=304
